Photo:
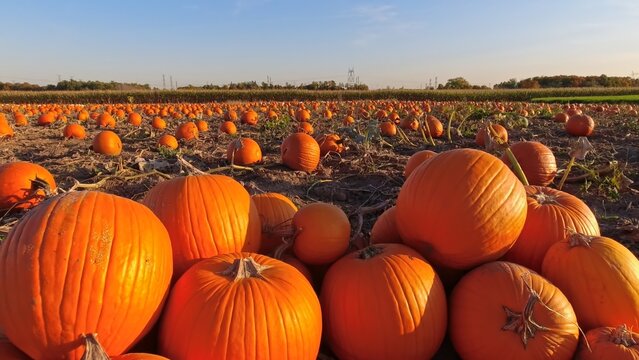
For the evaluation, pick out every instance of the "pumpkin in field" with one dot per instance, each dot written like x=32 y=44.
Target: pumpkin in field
x=461 y=208
x=330 y=143
x=385 y=228
x=5 y=129
x=24 y=185
x=108 y=273
x=305 y=127
x=303 y=115
x=243 y=151
x=617 y=343
x=241 y=306
x=135 y=119
x=202 y=126
x=187 y=131
x=230 y=115
x=599 y=276
x=105 y=120
x=387 y=128
x=20 y=119
x=168 y=141
x=158 y=123
x=502 y=310
x=360 y=290
x=481 y=139
x=417 y=159
x=550 y=213
x=74 y=131
x=205 y=215
x=409 y=124
x=108 y=143
x=228 y=127
x=82 y=115
x=249 y=117
x=322 y=233
x=433 y=127
x=47 y=118
x=300 y=152
x=276 y=215
x=580 y=125
x=536 y=160
x=348 y=120
x=560 y=118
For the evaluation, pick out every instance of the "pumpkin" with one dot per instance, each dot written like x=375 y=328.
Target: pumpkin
x=93 y=351
x=231 y=115
x=241 y=306
x=243 y=151
x=409 y=124
x=387 y=128
x=303 y=115
x=105 y=120
x=108 y=143
x=168 y=141
x=550 y=213
x=434 y=127
x=20 y=119
x=300 y=152
x=74 y=131
x=536 y=160
x=202 y=126
x=385 y=228
x=322 y=233
x=23 y=185
x=205 y=215
x=348 y=120
x=417 y=159
x=108 y=273
x=481 y=139
x=383 y=302
x=599 y=276
x=135 y=119
x=47 y=118
x=276 y=214
x=461 y=187
x=83 y=115
x=299 y=266
x=187 y=131
x=5 y=129
x=249 y=117
x=158 y=123
x=305 y=127
x=580 y=125
x=561 y=118
x=330 y=143
x=502 y=310
x=228 y=127
x=604 y=343
x=8 y=351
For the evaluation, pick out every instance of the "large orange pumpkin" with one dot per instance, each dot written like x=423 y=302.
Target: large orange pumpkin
x=603 y=343
x=8 y=351
x=536 y=160
x=550 y=213
x=108 y=143
x=383 y=302
x=300 y=152
x=276 y=215
x=501 y=310
x=5 y=129
x=241 y=306
x=83 y=262
x=24 y=185
x=462 y=208
x=322 y=233
x=599 y=276
x=244 y=151
x=205 y=215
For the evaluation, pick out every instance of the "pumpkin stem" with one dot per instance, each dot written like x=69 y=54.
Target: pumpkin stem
x=577 y=239
x=244 y=268
x=40 y=184
x=92 y=348
x=370 y=252
x=523 y=323
x=621 y=336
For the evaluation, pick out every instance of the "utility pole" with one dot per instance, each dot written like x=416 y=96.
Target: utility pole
x=59 y=78
x=350 y=81
x=171 y=81
x=163 y=82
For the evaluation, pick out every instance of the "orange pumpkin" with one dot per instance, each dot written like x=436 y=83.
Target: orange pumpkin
x=330 y=143
x=385 y=228
x=46 y=119
x=5 y=129
x=228 y=127
x=249 y=117
x=135 y=119
x=604 y=343
x=358 y=292
x=303 y=115
x=462 y=186
x=501 y=310
x=387 y=128
x=108 y=274
x=23 y=185
x=434 y=127
x=168 y=141
x=158 y=123
x=580 y=125
x=241 y=306
x=417 y=159
x=316 y=242
x=74 y=131
x=300 y=152
x=108 y=143
x=536 y=160
x=561 y=118
x=20 y=119
x=105 y=120
x=205 y=215
x=481 y=139
x=305 y=127
x=243 y=151
x=8 y=351
x=202 y=126
x=276 y=215
x=187 y=131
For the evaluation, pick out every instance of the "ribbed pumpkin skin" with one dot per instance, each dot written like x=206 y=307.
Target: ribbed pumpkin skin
x=602 y=346
x=477 y=315
x=322 y=233
x=276 y=215
x=601 y=281
x=210 y=316
x=417 y=159
x=84 y=262
x=300 y=152
x=385 y=228
x=139 y=356
x=390 y=306
x=536 y=160
x=464 y=207
x=546 y=224
x=206 y=215
x=16 y=183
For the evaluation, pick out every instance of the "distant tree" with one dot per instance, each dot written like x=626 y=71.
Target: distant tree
x=457 y=83
x=510 y=84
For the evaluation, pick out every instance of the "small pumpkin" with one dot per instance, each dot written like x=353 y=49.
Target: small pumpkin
x=417 y=159
x=24 y=185
x=481 y=139
x=243 y=151
x=580 y=125
x=74 y=131
x=561 y=117
x=387 y=128
x=158 y=123
x=536 y=160
x=385 y=228
x=228 y=127
x=300 y=151
x=135 y=119
x=330 y=143
x=202 y=126
x=305 y=127
x=168 y=141
x=187 y=131
x=108 y=143
x=619 y=343
x=105 y=120
x=433 y=127
x=316 y=242
x=47 y=118
x=249 y=117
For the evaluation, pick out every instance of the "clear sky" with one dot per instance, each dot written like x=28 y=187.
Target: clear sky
x=389 y=43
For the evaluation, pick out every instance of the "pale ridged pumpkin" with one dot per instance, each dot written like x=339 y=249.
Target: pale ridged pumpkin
x=241 y=306
x=24 y=185
x=205 y=215
x=385 y=228
x=550 y=213
x=83 y=262
x=536 y=160
x=494 y=314
x=276 y=216
x=599 y=276
x=383 y=302
x=322 y=233
x=464 y=207
x=300 y=152
x=610 y=343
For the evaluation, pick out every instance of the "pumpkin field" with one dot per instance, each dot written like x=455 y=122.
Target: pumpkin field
x=319 y=229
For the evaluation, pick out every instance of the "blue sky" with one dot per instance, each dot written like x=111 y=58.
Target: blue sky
x=389 y=43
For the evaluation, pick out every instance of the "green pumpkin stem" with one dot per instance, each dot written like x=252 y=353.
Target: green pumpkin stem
x=92 y=348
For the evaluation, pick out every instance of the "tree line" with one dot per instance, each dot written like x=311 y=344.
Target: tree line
x=569 y=81
x=253 y=85
x=74 y=85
